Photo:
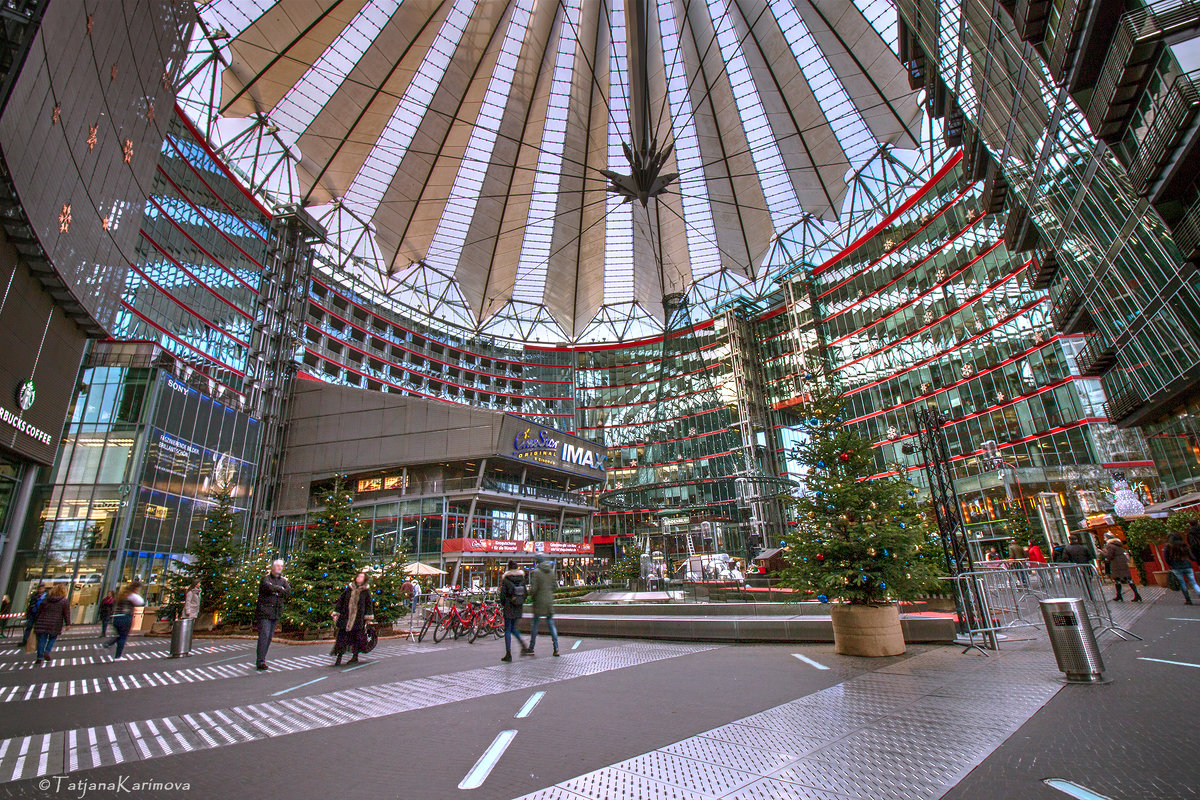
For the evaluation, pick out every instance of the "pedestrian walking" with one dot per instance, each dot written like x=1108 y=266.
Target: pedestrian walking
x=273 y=590
x=735 y=574
x=106 y=611
x=1034 y=554
x=52 y=618
x=992 y=554
x=1179 y=561
x=541 y=593
x=122 y=620
x=191 y=601
x=1118 y=568
x=1193 y=539
x=513 y=590
x=1076 y=552
x=354 y=609
x=1016 y=552
x=407 y=592
x=31 y=608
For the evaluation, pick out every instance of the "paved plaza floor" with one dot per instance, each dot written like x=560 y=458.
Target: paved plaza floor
x=643 y=720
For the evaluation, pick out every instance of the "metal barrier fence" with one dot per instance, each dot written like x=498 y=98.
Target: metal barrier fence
x=994 y=600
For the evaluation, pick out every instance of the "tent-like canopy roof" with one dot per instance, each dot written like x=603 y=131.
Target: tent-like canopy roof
x=568 y=154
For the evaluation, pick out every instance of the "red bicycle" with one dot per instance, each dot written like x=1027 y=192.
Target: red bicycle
x=488 y=619
x=459 y=620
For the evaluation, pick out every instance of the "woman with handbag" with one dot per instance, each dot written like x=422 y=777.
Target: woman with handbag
x=1179 y=561
x=355 y=608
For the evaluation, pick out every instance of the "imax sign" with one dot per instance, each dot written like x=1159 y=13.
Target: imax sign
x=582 y=456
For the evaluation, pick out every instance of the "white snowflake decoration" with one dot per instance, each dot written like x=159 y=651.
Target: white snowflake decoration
x=968 y=370
x=941 y=275
x=892 y=433
x=999 y=397
x=928 y=316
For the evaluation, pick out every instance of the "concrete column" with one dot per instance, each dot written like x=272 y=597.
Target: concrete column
x=16 y=523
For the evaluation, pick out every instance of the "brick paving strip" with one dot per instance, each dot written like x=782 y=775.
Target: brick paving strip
x=67 y=751
x=909 y=731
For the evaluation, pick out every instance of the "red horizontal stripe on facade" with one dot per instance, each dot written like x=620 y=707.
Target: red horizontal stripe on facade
x=204 y=145
x=207 y=286
x=200 y=177
x=218 y=262
x=208 y=322
x=206 y=218
x=177 y=340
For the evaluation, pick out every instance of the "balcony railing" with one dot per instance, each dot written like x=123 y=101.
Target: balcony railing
x=1030 y=18
x=1187 y=231
x=1066 y=38
x=1135 y=49
x=1097 y=356
x=1042 y=271
x=1068 y=312
x=1173 y=117
x=1122 y=403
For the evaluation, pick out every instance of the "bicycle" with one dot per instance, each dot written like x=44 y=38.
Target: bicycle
x=433 y=617
x=457 y=621
x=488 y=619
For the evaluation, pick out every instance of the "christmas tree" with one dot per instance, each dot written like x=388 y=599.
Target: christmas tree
x=241 y=596
x=330 y=560
x=628 y=567
x=386 y=580
x=859 y=539
x=212 y=558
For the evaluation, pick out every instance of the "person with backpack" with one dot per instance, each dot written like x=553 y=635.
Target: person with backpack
x=541 y=592
x=35 y=600
x=513 y=591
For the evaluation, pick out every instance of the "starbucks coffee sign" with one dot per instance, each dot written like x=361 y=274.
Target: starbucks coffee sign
x=26 y=393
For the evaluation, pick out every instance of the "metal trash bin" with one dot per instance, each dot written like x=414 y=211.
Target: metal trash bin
x=181 y=637
x=1071 y=636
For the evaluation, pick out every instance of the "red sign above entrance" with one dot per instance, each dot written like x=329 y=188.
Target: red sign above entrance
x=504 y=546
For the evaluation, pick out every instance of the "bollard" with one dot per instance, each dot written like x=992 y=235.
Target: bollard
x=1070 y=632
x=181 y=637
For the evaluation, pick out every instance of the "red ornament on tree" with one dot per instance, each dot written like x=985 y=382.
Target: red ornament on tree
x=820 y=557
x=845 y=457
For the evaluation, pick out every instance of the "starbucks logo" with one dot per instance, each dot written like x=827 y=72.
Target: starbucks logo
x=26 y=394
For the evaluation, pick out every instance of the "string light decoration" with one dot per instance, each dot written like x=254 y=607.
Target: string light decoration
x=330 y=560
x=857 y=539
x=241 y=595
x=1125 y=502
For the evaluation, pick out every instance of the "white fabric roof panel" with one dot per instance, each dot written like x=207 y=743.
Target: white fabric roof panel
x=471 y=134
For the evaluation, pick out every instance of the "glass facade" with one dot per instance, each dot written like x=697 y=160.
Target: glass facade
x=935 y=310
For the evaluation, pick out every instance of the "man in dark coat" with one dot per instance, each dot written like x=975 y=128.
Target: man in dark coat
x=52 y=616
x=512 y=603
x=35 y=600
x=273 y=589
x=1193 y=540
x=1076 y=552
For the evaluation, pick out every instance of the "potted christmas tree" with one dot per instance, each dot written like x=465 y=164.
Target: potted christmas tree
x=860 y=542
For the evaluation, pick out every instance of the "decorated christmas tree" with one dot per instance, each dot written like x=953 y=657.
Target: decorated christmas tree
x=860 y=539
x=330 y=560
x=211 y=558
x=390 y=603
x=241 y=596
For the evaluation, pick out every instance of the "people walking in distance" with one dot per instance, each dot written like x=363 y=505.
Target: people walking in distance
x=1035 y=555
x=1076 y=552
x=541 y=592
x=191 y=601
x=52 y=619
x=273 y=590
x=1179 y=561
x=406 y=593
x=1118 y=568
x=735 y=574
x=354 y=609
x=992 y=554
x=35 y=599
x=106 y=611
x=416 y=596
x=513 y=590
x=127 y=600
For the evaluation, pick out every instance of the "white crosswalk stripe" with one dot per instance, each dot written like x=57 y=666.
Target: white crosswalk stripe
x=147 y=739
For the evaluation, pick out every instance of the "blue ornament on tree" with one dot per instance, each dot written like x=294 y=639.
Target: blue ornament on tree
x=823 y=598
x=882 y=585
x=863 y=578
x=820 y=465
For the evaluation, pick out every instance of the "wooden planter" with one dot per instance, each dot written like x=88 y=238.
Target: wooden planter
x=871 y=631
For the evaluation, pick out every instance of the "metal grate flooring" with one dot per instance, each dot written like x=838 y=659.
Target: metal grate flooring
x=879 y=736
x=67 y=751
x=106 y=657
